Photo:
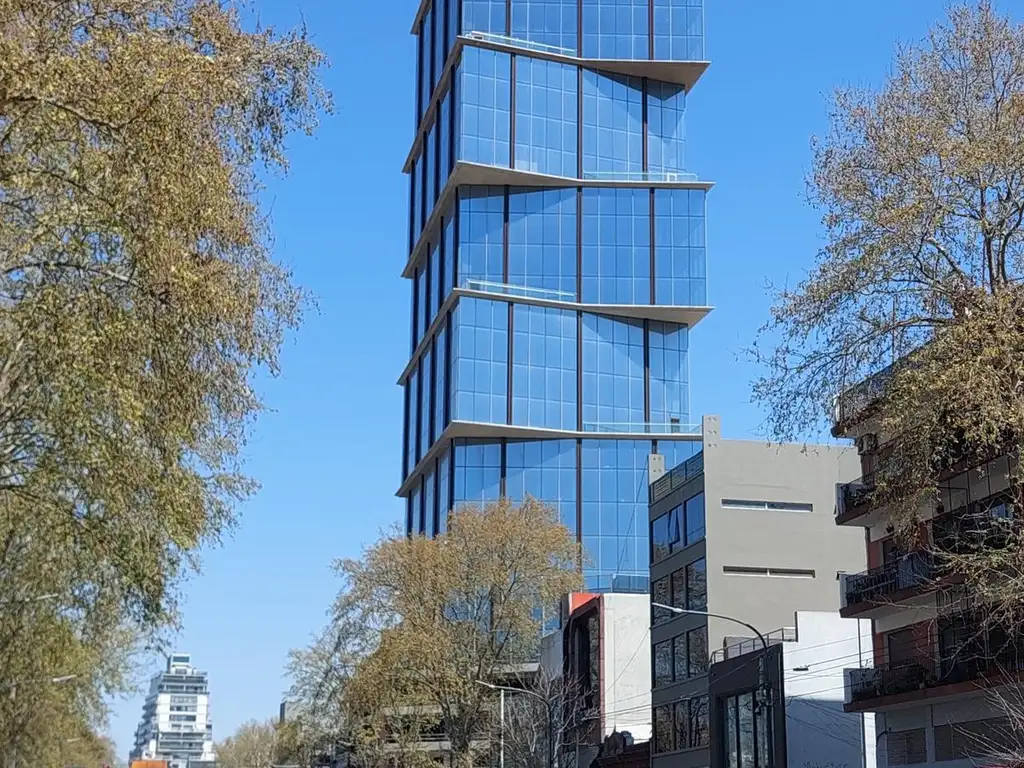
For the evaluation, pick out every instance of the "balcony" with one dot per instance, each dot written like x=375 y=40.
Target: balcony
x=677 y=477
x=522 y=291
x=515 y=42
x=854 y=499
x=886 y=584
x=642 y=428
x=641 y=177
x=965 y=668
x=684 y=73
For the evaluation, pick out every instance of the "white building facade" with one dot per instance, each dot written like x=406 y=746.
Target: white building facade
x=176 y=723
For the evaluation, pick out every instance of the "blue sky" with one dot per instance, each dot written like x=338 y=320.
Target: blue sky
x=328 y=454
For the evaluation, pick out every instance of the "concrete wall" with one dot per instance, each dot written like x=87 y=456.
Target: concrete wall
x=760 y=538
x=818 y=731
x=626 y=665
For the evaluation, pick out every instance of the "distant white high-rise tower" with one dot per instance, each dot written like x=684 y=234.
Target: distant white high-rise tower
x=176 y=725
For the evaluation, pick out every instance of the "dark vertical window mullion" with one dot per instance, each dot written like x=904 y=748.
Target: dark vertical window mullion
x=653 y=253
x=579 y=28
x=512 y=112
x=446 y=414
x=579 y=496
x=502 y=480
x=644 y=165
x=508 y=17
x=650 y=29
x=647 y=371
x=505 y=279
x=579 y=122
x=455 y=240
x=419 y=77
x=432 y=392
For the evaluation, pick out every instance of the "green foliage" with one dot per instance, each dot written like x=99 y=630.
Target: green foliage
x=138 y=297
x=921 y=184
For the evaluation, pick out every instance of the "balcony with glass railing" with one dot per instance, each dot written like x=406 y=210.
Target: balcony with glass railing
x=517 y=42
x=642 y=428
x=641 y=177
x=523 y=291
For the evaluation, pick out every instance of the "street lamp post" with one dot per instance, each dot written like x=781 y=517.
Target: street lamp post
x=766 y=691
x=547 y=705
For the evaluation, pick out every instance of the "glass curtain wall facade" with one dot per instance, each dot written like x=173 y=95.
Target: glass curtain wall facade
x=556 y=262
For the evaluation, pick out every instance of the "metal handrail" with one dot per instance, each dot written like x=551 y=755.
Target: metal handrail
x=652 y=176
x=677 y=477
x=644 y=428
x=853 y=494
x=508 y=289
x=515 y=42
x=910 y=570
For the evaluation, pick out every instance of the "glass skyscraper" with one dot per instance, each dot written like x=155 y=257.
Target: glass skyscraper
x=556 y=261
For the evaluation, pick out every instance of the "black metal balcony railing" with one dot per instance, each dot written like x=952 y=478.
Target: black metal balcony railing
x=677 y=477
x=986 y=523
x=853 y=495
x=877 y=584
x=973 y=661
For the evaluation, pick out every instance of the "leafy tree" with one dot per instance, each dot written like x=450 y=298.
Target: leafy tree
x=138 y=297
x=252 y=745
x=921 y=184
x=422 y=620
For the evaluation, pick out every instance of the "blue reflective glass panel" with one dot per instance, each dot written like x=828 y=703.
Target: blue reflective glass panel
x=679 y=30
x=542 y=240
x=434 y=264
x=426 y=80
x=546 y=117
x=421 y=303
x=680 y=271
x=449 y=253
x=440 y=47
x=443 y=491
x=429 y=511
x=677 y=451
x=480 y=361
x=666 y=137
x=614 y=507
x=483 y=16
x=549 y=22
x=545 y=470
x=415 y=500
x=485 y=107
x=613 y=127
x=481 y=234
x=445 y=149
x=613 y=371
x=543 y=367
x=615 y=29
x=441 y=380
x=616 y=246
x=417 y=199
x=477 y=472
x=430 y=152
x=669 y=368
x=426 y=406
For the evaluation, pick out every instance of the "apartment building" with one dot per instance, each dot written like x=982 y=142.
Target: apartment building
x=745 y=530
x=935 y=666
x=176 y=724
x=556 y=263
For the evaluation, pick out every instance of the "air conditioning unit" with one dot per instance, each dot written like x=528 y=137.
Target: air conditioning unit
x=671 y=177
x=867 y=444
